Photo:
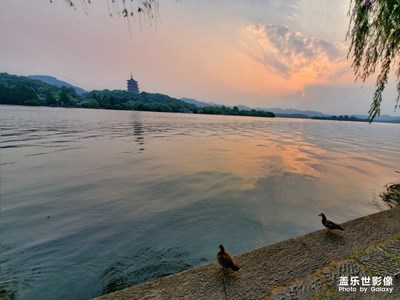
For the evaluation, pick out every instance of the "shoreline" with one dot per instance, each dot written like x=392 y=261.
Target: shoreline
x=280 y=116
x=310 y=264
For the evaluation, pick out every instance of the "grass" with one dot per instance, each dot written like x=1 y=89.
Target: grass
x=392 y=194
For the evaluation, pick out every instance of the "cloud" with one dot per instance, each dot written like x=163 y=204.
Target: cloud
x=293 y=55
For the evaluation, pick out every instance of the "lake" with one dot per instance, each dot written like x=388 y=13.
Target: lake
x=93 y=201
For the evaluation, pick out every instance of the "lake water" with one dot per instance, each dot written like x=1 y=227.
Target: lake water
x=95 y=200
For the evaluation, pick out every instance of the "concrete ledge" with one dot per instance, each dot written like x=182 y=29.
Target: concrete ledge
x=270 y=267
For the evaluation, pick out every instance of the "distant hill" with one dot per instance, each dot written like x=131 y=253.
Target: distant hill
x=54 y=81
x=32 y=90
x=118 y=99
x=294 y=113
x=294 y=116
x=279 y=112
x=287 y=112
x=23 y=90
x=212 y=104
x=243 y=107
x=11 y=81
x=200 y=103
x=383 y=118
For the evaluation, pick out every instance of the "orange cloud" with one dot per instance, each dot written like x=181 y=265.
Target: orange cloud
x=300 y=60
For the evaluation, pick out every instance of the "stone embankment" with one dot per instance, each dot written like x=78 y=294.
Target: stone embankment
x=307 y=267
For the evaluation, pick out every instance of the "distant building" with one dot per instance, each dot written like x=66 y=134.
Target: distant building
x=133 y=85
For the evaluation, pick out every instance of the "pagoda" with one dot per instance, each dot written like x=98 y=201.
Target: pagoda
x=133 y=85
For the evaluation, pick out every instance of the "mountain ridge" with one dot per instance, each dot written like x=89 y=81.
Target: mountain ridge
x=57 y=82
x=279 y=112
x=294 y=113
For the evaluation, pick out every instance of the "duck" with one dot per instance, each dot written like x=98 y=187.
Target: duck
x=225 y=260
x=329 y=224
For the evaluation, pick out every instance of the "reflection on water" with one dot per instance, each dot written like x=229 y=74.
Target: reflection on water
x=93 y=201
x=138 y=132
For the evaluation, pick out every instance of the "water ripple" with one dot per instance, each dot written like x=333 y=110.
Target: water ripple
x=94 y=201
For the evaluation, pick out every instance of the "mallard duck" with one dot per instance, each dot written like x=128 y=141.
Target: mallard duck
x=225 y=260
x=329 y=224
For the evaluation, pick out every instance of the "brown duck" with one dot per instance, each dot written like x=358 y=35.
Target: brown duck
x=329 y=224
x=225 y=260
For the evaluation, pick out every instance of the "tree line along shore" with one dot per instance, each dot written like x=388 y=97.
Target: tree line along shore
x=21 y=90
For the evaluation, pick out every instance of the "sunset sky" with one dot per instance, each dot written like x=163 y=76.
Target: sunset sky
x=260 y=53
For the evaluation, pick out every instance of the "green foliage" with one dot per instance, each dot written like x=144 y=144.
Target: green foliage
x=118 y=99
x=224 y=110
x=19 y=90
x=341 y=118
x=392 y=194
x=92 y=103
x=50 y=99
x=68 y=97
x=124 y=8
x=6 y=293
x=374 y=33
x=19 y=94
